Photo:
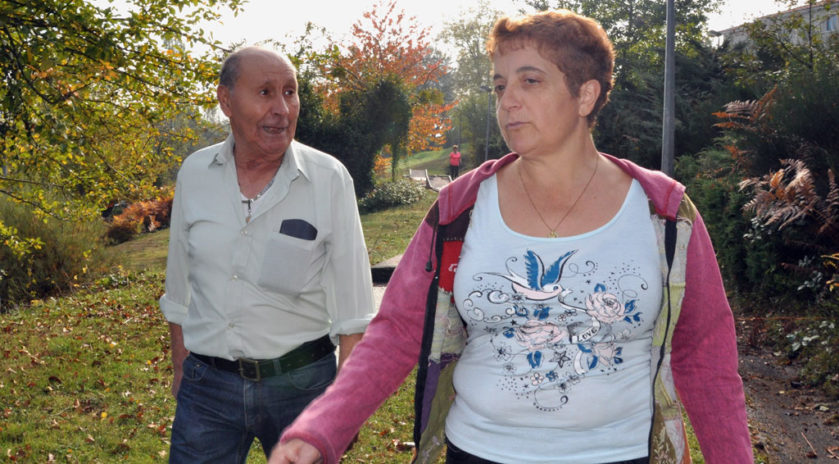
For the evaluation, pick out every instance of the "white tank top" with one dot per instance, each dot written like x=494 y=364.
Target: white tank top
x=557 y=363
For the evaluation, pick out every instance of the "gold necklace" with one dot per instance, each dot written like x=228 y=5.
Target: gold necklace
x=552 y=233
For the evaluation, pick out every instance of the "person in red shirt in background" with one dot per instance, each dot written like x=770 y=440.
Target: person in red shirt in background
x=454 y=163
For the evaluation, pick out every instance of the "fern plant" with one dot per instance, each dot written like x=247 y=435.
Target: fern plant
x=789 y=199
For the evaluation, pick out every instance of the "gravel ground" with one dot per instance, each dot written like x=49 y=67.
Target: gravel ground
x=790 y=423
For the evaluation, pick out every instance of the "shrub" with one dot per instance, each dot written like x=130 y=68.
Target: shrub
x=142 y=216
x=122 y=229
x=389 y=194
x=66 y=255
x=810 y=342
x=749 y=256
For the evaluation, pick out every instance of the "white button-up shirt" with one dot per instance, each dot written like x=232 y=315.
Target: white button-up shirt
x=297 y=271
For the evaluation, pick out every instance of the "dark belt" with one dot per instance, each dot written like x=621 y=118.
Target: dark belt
x=258 y=369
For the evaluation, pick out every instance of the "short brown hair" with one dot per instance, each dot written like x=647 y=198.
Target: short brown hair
x=578 y=46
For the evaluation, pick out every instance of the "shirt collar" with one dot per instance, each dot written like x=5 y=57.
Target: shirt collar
x=292 y=162
x=224 y=153
x=295 y=162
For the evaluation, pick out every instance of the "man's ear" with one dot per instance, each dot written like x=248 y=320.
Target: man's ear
x=223 y=95
x=589 y=93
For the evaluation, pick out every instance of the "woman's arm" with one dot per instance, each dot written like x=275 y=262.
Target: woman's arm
x=378 y=365
x=704 y=358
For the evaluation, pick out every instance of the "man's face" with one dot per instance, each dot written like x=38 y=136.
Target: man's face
x=262 y=105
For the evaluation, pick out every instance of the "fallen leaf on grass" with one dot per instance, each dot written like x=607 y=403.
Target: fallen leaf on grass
x=399 y=445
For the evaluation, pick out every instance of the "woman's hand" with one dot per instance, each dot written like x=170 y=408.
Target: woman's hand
x=295 y=451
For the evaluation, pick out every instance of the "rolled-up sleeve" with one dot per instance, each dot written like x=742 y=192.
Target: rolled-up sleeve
x=346 y=278
x=175 y=301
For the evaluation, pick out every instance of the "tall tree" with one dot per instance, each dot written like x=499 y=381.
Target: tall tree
x=467 y=36
x=631 y=124
x=85 y=91
x=366 y=121
x=471 y=75
x=388 y=46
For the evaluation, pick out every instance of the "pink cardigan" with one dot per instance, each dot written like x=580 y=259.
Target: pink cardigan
x=703 y=360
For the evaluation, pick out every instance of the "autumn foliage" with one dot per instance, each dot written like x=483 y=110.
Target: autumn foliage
x=142 y=216
x=790 y=179
x=386 y=45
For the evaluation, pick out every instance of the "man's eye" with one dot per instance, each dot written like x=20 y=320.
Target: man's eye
x=290 y=92
x=531 y=81
x=263 y=92
x=499 y=88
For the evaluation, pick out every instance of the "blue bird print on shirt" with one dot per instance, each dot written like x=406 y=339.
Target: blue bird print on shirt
x=541 y=283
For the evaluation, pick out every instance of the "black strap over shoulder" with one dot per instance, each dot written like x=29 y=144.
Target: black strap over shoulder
x=669 y=242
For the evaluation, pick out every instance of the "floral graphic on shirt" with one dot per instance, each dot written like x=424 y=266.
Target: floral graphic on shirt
x=547 y=336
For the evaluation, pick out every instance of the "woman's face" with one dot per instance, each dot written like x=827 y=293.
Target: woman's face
x=536 y=112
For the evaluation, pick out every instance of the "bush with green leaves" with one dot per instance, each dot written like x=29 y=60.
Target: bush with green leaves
x=389 y=194
x=63 y=255
x=749 y=256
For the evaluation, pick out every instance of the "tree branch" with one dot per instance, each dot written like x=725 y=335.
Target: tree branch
x=30 y=203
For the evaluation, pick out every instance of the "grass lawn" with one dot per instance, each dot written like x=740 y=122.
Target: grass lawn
x=388 y=232
x=86 y=377
x=148 y=251
x=435 y=161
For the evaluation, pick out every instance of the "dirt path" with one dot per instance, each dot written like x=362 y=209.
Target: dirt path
x=790 y=423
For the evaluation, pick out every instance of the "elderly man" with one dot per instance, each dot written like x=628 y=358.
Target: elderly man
x=267 y=267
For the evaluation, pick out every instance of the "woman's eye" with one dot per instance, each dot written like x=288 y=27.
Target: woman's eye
x=531 y=81
x=499 y=88
x=263 y=92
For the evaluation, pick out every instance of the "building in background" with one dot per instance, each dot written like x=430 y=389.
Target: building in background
x=823 y=17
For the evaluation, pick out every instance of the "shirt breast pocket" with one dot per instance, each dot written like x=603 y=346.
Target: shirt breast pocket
x=287 y=264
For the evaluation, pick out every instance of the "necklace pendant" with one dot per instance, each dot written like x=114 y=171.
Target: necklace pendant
x=552 y=234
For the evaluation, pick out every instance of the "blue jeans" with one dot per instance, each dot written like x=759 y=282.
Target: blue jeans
x=219 y=413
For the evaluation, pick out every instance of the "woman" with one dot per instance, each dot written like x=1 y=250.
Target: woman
x=454 y=162
x=586 y=294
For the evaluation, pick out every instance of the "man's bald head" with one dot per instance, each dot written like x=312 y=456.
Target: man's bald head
x=231 y=65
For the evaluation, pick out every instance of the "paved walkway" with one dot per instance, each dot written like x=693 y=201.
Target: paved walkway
x=378 y=293
x=381 y=274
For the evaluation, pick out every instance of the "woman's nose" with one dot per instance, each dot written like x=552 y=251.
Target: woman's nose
x=507 y=99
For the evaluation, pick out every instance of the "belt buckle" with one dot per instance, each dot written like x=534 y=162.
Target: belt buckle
x=246 y=375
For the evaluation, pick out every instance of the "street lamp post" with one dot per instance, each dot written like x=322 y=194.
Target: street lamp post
x=668 y=138
x=488 y=90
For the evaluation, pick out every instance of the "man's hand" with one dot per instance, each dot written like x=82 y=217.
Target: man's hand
x=295 y=452
x=179 y=353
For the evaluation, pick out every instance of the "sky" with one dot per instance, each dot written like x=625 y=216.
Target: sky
x=276 y=19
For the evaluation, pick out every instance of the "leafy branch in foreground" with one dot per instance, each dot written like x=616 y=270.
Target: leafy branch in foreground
x=87 y=91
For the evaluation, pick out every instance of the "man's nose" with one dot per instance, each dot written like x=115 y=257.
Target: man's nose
x=279 y=106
